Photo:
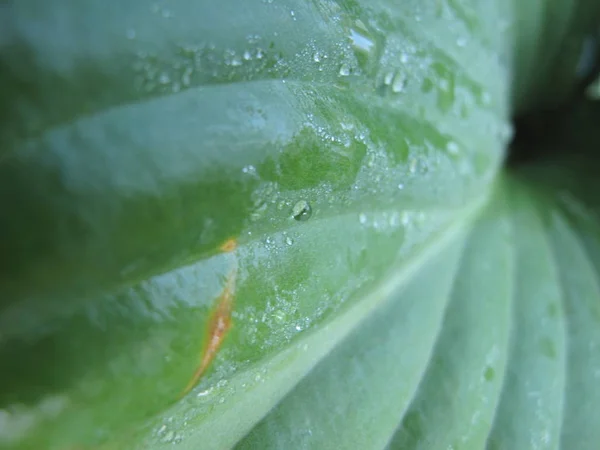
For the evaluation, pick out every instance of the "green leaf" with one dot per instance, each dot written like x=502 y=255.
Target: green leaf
x=332 y=168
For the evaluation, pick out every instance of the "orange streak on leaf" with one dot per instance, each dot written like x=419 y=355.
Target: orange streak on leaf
x=228 y=246
x=219 y=325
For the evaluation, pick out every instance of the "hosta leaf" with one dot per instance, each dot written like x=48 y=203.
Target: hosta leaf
x=457 y=397
x=535 y=375
x=329 y=171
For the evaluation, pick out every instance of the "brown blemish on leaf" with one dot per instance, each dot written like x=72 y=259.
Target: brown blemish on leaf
x=219 y=324
x=228 y=246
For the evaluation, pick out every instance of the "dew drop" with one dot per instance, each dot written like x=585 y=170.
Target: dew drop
x=412 y=165
x=279 y=316
x=461 y=41
x=398 y=84
x=131 y=33
x=317 y=57
x=289 y=241
x=186 y=78
x=301 y=211
x=403 y=58
x=400 y=186
x=249 y=169
x=203 y=393
x=362 y=218
x=169 y=437
x=387 y=79
x=452 y=148
x=247 y=56
x=164 y=78
x=344 y=70
x=360 y=41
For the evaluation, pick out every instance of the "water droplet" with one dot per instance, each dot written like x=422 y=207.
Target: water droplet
x=403 y=58
x=412 y=165
x=130 y=33
x=400 y=186
x=289 y=241
x=259 y=211
x=387 y=79
x=247 y=55
x=298 y=328
x=362 y=218
x=344 y=70
x=279 y=316
x=250 y=169
x=301 y=211
x=162 y=429
x=260 y=54
x=186 y=78
x=317 y=57
x=204 y=393
x=164 y=78
x=399 y=83
x=222 y=400
x=169 y=437
x=236 y=61
x=461 y=41
x=360 y=41
x=452 y=148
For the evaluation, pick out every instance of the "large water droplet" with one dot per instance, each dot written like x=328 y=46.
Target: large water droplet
x=344 y=70
x=360 y=41
x=301 y=211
